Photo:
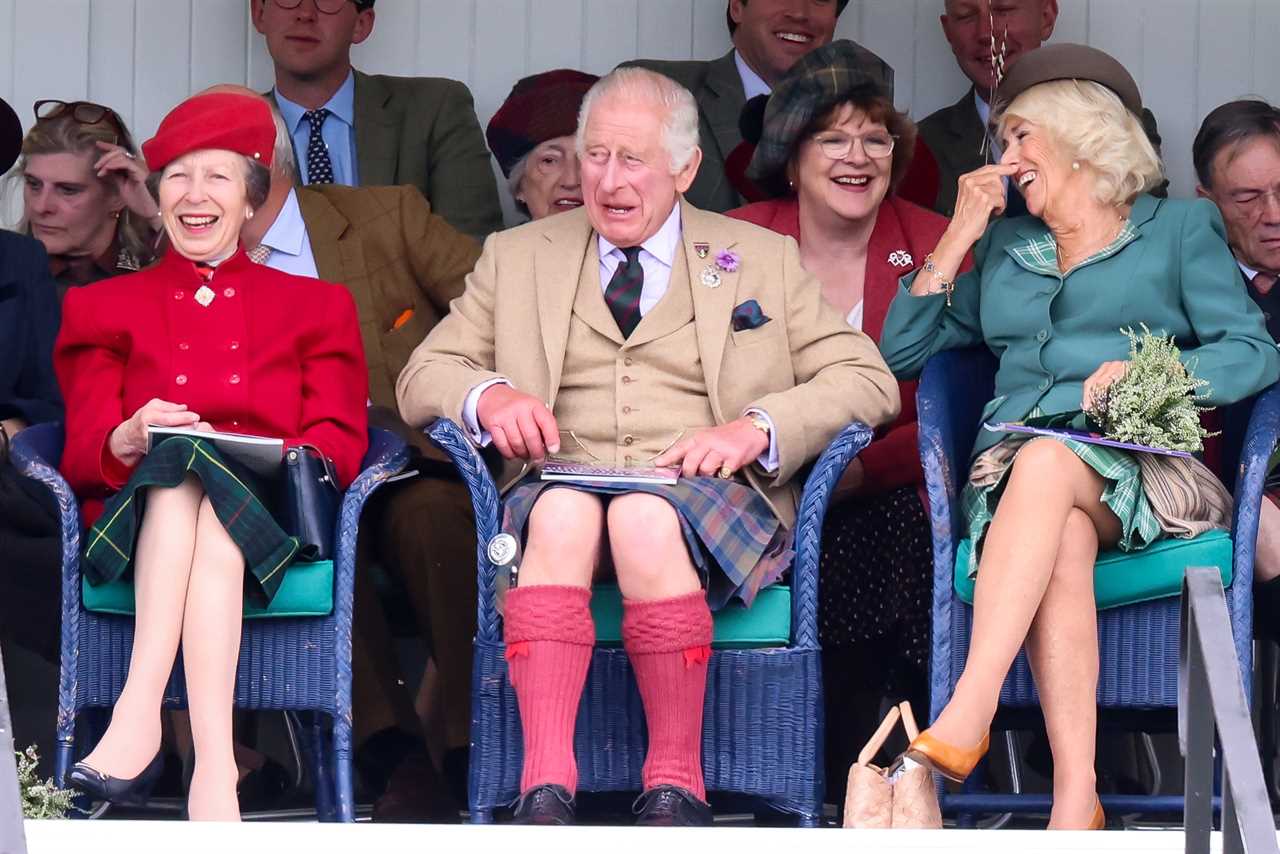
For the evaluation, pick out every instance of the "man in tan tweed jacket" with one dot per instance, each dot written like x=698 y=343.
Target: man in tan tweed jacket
x=633 y=331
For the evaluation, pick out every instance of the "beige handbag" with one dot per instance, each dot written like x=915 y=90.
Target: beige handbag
x=901 y=796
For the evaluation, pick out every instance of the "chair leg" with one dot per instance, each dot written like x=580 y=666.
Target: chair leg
x=343 y=790
x=808 y=819
x=481 y=817
x=321 y=777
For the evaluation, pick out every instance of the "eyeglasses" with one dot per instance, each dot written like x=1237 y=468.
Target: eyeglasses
x=329 y=7
x=838 y=145
x=84 y=112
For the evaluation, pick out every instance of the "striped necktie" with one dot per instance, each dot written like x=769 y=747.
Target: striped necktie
x=622 y=294
x=319 y=166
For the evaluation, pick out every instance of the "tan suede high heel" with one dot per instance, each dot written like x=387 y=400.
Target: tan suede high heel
x=954 y=763
x=1099 y=820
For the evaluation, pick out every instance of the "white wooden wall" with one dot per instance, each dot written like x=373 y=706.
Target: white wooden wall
x=143 y=56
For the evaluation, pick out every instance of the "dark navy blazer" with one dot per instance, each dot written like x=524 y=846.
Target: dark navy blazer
x=29 y=317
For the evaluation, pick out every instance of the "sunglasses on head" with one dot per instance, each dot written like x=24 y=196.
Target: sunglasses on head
x=84 y=112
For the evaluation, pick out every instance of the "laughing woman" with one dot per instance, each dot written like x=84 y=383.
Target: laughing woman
x=204 y=339
x=1048 y=294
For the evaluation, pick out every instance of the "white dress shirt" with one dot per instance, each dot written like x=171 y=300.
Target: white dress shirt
x=338 y=132
x=657 y=254
x=289 y=243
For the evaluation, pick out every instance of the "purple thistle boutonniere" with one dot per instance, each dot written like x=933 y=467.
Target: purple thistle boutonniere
x=727 y=260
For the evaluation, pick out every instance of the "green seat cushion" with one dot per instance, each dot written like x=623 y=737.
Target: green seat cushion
x=766 y=623
x=307 y=591
x=1124 y=578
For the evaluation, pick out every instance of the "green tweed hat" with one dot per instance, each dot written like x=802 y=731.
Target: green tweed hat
x=817 y=82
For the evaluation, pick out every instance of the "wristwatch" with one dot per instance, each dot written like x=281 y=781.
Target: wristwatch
x=759 y=422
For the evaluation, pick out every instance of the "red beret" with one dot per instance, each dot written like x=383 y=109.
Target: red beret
x=541 y=107
x=224 y=120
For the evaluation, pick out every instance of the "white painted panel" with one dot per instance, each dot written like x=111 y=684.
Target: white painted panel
x=1266 y=50
x=445 y=39
x=219 y=44
x=1073 y=22
x=392 y=46
x=111 y=57
x=8 y=11
x=888 y=29
x=500 y=40
x=665 y=29
x=1226 y=35
x=710 y=32
x=162 y=73
x=848 y=25
x=50 y=52
x=937 y=80
x=1168 y=50
x=555 y=35
x=610 y=34
x=1117 y=28
x=259 y=73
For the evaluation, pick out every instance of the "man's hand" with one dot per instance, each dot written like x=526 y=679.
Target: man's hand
x=717 y=451
x=128 y=442
x=520 y=424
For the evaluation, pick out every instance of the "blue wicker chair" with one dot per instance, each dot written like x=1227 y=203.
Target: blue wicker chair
x=290 y=664
x=762 y=726
x=1138 y=643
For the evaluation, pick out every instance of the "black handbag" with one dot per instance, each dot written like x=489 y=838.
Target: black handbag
x=311 y=501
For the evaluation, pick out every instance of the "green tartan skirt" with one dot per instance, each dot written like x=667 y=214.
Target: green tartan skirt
x=1153 y=496
x=237 y=497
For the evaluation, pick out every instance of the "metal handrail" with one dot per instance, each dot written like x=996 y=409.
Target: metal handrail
x=13 y=839
x=1212 y=697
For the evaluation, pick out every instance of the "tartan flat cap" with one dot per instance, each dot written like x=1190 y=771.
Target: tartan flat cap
x=1068 y=61
x=818 y=81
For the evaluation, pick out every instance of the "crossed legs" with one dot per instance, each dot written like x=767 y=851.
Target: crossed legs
x=1035 y=585
x=188 y=587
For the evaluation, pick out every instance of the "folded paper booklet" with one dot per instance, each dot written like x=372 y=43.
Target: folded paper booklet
x=571 y=472
x=1086 y=436
x=260 y=454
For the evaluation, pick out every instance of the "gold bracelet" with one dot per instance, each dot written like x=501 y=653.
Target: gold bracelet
x=945 y=286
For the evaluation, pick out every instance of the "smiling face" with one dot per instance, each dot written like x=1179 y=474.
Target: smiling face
x=70 y=210
x=627 y=184
x=1246 y=188
x=1022 y=25
x=852 y=186
x=1044 y=171
x=772 y=34
x=308 y=44
x=203 y=203
x=551 y=181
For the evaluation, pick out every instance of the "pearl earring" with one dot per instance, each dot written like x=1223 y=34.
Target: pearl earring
x=1075 y=166
x=249 y=214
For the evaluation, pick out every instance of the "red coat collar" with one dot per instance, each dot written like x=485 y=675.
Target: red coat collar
x=180 y=270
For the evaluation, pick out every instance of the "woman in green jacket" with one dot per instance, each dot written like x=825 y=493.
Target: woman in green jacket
x=1049 y=294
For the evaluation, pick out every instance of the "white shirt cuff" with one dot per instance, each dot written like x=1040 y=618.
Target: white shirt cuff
x=769 y=459
x=470 y=423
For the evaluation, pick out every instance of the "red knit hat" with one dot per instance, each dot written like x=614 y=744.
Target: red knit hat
x=239 y=123
x=541 y=107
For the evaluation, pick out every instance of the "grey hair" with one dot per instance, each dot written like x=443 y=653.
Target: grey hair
x=283 y=161
x=513 y=184
x=680 y=111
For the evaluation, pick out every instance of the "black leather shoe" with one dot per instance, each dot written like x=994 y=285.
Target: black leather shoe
x=126 y=793
x=549 y=804
x=671 y=806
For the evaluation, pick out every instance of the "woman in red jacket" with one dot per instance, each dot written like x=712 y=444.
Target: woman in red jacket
x=832 y=148
x=204 y=339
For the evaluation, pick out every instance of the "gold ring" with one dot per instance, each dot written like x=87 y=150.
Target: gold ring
x=725 y=472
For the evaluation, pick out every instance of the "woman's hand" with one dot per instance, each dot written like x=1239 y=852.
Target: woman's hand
x=717 y=451
x=128 y=442
x=981 y=193
x=129 y=176
x=1096 y=384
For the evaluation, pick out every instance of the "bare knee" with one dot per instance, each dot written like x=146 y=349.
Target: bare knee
x=1045 y=461
x=565 y=528
x=186 y=496
x=648 y=549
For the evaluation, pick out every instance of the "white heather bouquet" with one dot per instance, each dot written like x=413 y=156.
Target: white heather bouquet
x=1156 y=402
x=40 y=798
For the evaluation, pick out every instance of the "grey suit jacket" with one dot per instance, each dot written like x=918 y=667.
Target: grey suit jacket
x=424 y=131
x=954 y=134
x=717 y=88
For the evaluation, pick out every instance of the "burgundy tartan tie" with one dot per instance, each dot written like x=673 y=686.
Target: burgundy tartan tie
x=623 y=291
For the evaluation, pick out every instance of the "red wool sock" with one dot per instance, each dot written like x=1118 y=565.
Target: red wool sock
x=549 y=636
x=669 y=643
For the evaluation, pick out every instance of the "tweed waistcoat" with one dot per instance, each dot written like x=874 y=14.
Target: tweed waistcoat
x=624 y=402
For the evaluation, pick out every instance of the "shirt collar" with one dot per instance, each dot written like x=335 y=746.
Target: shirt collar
x=289 y=231
x=661 y=244
x=342 y=105
x=1248 y=271
x=752 y=84
x=984 y=109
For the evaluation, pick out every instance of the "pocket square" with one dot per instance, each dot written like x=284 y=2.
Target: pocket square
x=748 y=315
